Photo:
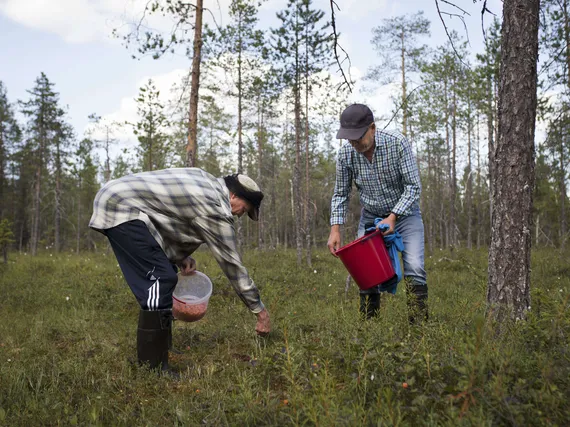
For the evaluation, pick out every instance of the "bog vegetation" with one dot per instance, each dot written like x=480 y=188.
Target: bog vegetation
x=68 y=333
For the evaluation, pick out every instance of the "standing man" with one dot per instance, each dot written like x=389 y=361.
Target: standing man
x=382 y=165
x=155 y=221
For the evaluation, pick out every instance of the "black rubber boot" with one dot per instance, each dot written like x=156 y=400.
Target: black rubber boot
x=417 y=302
x=369 y=305
x=153 y=338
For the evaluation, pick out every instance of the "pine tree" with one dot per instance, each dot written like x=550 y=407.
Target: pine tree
x=396 y=41
x=84 y=171
x=292 y=46
x=151 y=128
x=10 y=136
x=63 y=133
x=508 y=291
x=44 y=117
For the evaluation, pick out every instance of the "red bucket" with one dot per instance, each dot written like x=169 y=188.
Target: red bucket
x=367 y=260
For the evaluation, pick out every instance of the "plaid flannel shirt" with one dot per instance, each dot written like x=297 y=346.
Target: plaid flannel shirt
x=182 y=208
x=390 y=183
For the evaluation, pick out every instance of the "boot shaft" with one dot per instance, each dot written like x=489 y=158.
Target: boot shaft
x=153 y=335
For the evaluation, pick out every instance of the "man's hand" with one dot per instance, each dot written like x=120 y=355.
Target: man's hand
x=334 y=239
x=187 y=266
x=391 y=221
x=263 y=326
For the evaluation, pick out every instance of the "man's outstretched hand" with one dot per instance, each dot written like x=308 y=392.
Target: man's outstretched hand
x=263 y=326
x=187 y=266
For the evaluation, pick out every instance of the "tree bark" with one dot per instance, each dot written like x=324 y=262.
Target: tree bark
x=307 y=219
x=57 y=225
x=192 y=147
x=508 y=292
x=404 y=100
x=469 y=183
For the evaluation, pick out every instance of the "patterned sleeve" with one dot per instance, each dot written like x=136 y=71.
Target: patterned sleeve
x=219 y=234
x=342 y=188
x=410 y=178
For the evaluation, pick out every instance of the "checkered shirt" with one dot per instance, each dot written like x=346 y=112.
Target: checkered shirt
x=390 y=183
x=182 y=208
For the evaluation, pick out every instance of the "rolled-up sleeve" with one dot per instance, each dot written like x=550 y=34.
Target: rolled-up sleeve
x=219 y=234
x=343 y=185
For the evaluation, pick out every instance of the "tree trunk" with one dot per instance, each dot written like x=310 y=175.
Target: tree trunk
x=307 y=222
x=78 y=234
x=240 y=232
x=562 y=193
x=192 y=147
x=35 y=237
x=453 y=219
x=260 y=138
x=107 y=173
x=490 y=142
x=508 y=292
x=297 y=168
x=448 y=166
x=469 y=185
x=57 y=225
x=479 y=201
x=404 y=101
x=431 y=201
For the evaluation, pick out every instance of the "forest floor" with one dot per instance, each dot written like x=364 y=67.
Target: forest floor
x=67 y=341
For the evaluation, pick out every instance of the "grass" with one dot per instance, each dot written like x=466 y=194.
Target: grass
x=68 y=334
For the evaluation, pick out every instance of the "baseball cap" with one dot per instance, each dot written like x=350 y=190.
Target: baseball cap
x=246 y=188
x=354 y=122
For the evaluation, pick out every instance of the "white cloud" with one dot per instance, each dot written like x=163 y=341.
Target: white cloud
x=76 y=21
x=83 y=21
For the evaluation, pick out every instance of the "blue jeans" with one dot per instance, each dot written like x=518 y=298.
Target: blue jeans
x=411 y=228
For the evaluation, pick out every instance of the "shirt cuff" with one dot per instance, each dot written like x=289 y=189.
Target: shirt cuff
x=258 y=309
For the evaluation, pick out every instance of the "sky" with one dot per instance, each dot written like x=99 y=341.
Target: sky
x=71 y=42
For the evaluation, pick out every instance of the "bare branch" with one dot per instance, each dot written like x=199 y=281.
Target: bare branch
x=484 y=10
x=404 y=103
x=454 y=5
x=439 y=12
x=336 y=47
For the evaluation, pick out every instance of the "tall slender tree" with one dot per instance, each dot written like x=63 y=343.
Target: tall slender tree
x=508 y=292
x=151 y=128
x=63 y=133
x=186 y=19
x=396 y=41
x=10 y=135
x=44 y=117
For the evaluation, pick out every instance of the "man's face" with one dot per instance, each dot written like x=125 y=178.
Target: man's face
x=365 y=143
x=239 y=206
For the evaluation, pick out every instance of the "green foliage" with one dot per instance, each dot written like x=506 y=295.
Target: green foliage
x=70 y=332
x=6 y=235
x=397 y=37
x=151 y=129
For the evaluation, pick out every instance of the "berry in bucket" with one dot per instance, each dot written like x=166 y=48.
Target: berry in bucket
x=191 y=296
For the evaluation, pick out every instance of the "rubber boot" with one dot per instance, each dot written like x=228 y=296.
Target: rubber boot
x=369 y=305
x=417 y=303
x=153 y=338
